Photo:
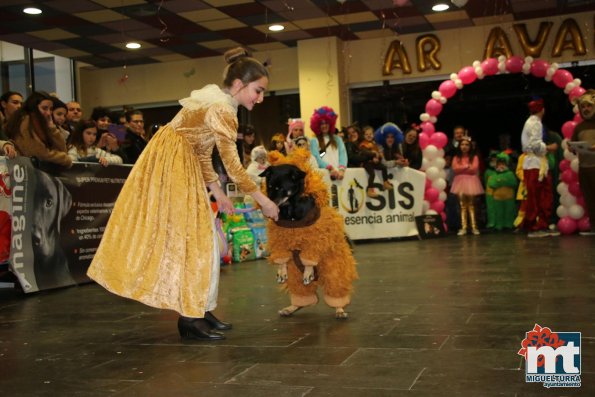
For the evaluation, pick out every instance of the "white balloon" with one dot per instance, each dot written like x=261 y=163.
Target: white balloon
x=425 y=206
x=565 y=144
x=425 y=163
x=442 y=196
x=432 y=173
x=576 y=211
x=431 y=212
x=562 y=189
x=430 y=152
x=502 y=58
x=475 y=64
x=436 y=95
x=440 y=152
x=562 y=211
x=454 y=76
x=443 y=100
x=568 y=155
x=424 y=117
x=439 y=184
x=433 y=119
x=439 y=162
x=574 y=164
x=567 y=200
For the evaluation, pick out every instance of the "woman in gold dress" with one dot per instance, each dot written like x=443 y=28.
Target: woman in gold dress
x=159 y=246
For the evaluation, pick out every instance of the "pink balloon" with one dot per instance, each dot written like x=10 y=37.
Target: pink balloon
x=567 y=225
x=514 y=64
x=438 y=139
x=437 y=206
x=574 y=188
x=577 y=118
x=490 y=66
x=568 y=129
x=562 y=77
x=564 y=165
x=431 y=195
x=584 y=224
x=568 y=176
x=427 y=128
x=539 y=68
x=433 y=107
x=443 y=215
x=467 y=75
x=424 y=140
x=575 y=93
x=580 y=200
x=448 y=88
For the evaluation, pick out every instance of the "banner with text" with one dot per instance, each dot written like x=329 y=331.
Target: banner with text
x=391 y=214
x=58 y=218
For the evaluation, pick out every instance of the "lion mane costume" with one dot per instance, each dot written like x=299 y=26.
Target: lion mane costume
x=321 y=244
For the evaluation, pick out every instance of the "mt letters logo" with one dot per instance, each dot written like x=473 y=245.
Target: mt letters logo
x=552 y=358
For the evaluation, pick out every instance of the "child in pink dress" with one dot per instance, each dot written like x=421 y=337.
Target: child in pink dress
x=466 y=184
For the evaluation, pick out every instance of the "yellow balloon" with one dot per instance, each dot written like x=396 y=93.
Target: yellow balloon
x=427 y=47
x=574 y=42
x=532 y=47
x=497 y=44
x=396 y=58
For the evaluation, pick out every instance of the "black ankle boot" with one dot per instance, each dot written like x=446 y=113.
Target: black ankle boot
x=197 y=328
x=216 y=323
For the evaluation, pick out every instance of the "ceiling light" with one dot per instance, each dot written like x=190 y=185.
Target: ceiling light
x=276 y=28
x=32 y=11
x=132 y=45
x=440 y=7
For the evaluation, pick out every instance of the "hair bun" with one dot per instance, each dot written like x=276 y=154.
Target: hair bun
x=234 y=54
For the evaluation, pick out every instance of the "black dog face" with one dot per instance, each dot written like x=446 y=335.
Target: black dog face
x=52 y=201
x=285 y=187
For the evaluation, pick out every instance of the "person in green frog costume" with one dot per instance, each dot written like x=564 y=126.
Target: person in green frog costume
x=503 y=186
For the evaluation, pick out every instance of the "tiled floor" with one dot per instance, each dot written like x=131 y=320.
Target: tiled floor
x=429 y=318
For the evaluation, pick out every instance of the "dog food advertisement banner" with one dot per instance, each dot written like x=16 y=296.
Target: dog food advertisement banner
x=390 y=214
x=58 y=219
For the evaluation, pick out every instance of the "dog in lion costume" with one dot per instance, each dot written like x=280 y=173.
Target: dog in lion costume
x=310 y=252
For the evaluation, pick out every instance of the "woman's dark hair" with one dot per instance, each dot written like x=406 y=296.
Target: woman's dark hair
x=37 y=120
x=76 y=139
x=100 y=112
x=240 y=65
x=390 y=152
x=411 y=149
x=58 y=104
x=247 y=129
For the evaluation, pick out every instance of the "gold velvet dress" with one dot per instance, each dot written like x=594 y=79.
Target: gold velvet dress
x=159 y=246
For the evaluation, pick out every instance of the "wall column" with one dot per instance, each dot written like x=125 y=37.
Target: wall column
x=322 y=78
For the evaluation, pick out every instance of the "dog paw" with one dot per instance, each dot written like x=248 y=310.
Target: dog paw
x=308 y=275
x=289 y=310
x=282 y=274
x=340 y=314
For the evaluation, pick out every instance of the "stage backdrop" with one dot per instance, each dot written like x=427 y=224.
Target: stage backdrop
x=391 y=214
x=58 y=218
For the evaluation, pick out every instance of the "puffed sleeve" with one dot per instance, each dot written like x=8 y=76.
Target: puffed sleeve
x=222 y=120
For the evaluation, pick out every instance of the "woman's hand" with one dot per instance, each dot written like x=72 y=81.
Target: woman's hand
x=103 y=161
x=9 y=151
x=224 y=203
x=270 y=209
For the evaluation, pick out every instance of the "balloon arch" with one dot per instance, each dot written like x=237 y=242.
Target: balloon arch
x=572 y=204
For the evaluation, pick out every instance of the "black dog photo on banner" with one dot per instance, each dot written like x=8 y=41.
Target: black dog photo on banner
x=430 y=226
x=58 y=218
